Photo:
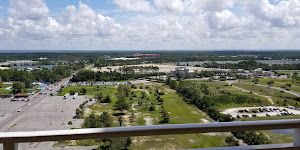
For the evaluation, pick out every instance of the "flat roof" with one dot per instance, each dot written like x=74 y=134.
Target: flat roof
x=21 y=95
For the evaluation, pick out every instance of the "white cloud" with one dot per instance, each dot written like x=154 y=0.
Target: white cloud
x=85 y=22
x=226 y=20
x=165 y=24
x=208 y=5
x=285 y=14
x=134 y=5
x=28 y=9
x=170 y=5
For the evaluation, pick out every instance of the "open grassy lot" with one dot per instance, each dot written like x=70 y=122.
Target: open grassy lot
x=281 y=83
x=5 y=85
x=217 y=87
x=179 y=112
x=278 y=97
x=3 y=91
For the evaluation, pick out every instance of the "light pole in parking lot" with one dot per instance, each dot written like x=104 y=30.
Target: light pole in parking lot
x=50 y=120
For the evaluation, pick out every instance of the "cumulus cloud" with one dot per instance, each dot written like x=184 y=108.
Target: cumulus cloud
x=36 y=23
x=226 y=20
x=170 y=5
x=285 y=14
x=208 y=5
x=134 y=5
x=84 y=21
x=165 y=24
x=28 y=9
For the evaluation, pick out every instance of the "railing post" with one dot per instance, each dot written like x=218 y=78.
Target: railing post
x=10 y=146
x=296 y=137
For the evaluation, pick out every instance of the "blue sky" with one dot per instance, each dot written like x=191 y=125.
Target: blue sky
x=149 y=24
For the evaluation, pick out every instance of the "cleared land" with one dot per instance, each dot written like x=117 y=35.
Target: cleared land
x=178 y=110
x=277 y=96
x=288 y=84
x=217 y=88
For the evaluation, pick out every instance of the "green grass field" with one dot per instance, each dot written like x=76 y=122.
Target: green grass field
x=216 y=87
x=5 y=85
x=179 y=112
x=281 y=83
x=2 y=91
x=276 y=95
x=91 y=90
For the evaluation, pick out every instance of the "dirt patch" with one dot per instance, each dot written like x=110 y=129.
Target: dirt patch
x=126 y=120
x=212 y=134
x=133 y=107
x=87 y=112
x=142 y=90
x=194 y=112
x=149 y=120
x=205 y=121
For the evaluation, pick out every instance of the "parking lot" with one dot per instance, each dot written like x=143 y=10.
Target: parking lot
x=8 y=107
x=243 y=112
x=52 y=113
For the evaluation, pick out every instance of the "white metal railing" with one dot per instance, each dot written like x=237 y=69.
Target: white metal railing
x=10 y=140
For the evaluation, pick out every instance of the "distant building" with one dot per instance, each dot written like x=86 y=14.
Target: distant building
x=145 y=55
x=37 y=67
x=18 y=63
x=182 y=72
x=43 y=58
x=244 y=75
x=123 y=58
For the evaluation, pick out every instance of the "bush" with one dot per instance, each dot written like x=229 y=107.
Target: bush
x=152 y=108
x=107 y=99
x=133 y=86
x=72 y=92
x=251 y=137
x=231 y=141
x=161 y=93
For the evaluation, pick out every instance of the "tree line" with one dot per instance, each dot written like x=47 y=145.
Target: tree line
x=27 y=77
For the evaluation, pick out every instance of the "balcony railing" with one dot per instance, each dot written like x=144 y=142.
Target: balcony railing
x=10 y=140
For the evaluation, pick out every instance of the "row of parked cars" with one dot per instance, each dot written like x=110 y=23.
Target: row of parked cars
x=20 y=100
x=278 y=111
x=98 y=83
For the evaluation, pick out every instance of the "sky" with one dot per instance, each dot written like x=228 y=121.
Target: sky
x=149 y=24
